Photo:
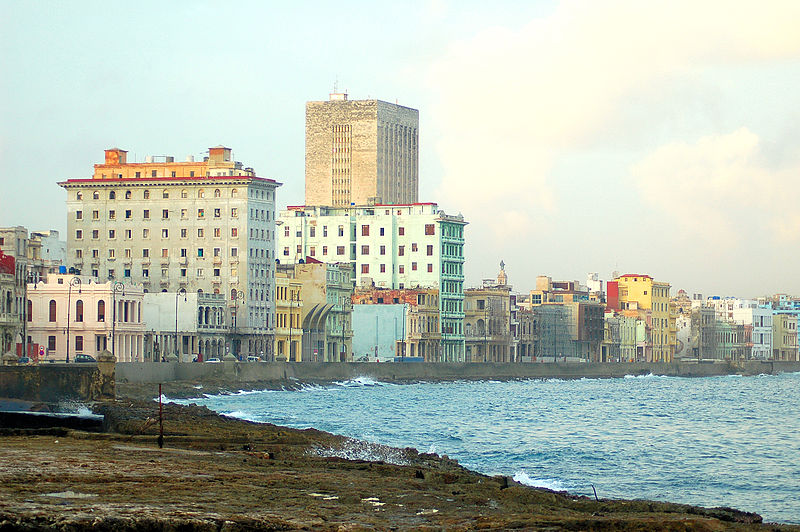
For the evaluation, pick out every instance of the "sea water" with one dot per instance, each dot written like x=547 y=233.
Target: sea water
x=715 y=441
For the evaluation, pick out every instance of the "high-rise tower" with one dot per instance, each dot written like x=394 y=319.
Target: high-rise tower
x=361 y=152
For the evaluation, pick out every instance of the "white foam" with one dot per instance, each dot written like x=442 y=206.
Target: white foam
x=239 y=414
x=432 y=449
x=548 y=483
x=353 y=449
x=359 y=381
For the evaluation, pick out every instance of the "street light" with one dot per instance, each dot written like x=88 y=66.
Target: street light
x=75 y=281
x=115 y=287
x=236 y=296
x=177 y=294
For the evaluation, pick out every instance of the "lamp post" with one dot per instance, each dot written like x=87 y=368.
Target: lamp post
x=181 y=291
x=236 y=296
x=291 y=315
x=115 y=287
x=75 y=281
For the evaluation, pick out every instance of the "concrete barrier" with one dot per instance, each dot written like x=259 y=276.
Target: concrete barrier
x=52 y=383
x=239 y=372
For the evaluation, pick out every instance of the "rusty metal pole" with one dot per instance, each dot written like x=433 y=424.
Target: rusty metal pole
x=160 y=421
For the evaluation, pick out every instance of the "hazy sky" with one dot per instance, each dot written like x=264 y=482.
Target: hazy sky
x=652 y=137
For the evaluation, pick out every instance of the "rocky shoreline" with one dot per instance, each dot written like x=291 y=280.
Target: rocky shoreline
x=216 y=473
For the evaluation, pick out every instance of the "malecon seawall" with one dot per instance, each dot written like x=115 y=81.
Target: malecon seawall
x=237 y=372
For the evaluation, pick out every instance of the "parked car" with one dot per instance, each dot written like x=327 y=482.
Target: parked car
x=213 y=360
x=24 y=360
x=252 y=358
x=84 y=358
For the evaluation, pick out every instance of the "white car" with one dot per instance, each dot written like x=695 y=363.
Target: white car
x=214 y=360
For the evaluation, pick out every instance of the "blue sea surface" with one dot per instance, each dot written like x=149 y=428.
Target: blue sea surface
x=715 y=441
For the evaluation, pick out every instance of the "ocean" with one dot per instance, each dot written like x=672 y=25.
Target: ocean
x=713 y=441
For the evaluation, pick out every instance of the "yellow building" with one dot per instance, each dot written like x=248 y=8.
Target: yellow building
x=288 y=312
x=651 y=298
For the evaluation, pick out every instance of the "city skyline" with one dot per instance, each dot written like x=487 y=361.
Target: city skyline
x=634 y=138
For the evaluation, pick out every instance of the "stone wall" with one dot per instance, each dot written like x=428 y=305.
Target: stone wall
x=52 y=383
x=261 y=371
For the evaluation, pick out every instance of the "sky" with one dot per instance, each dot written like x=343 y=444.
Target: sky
x=575 y=137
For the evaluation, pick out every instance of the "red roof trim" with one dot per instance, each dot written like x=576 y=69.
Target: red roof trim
x=166 y=179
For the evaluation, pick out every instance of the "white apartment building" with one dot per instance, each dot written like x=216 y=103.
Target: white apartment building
x=747 y=312
x=388 y=246
x=70 y=315
x=206 y=226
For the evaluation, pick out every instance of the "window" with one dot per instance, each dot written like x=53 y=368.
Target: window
x=413 y=266
x=401 y=250
x=429 y=229
x=101 y=310
x=112 y=233
x=364 y=230
x=429 y=251
x=95 y=253
x=413 y=246
x=95 y=195
x=382 y=231
x=78 y=234
x=165 y=233
x=340 y=250
x=324 y=230
x=52 y=313
x=146 y=194
x=165 y=214
x=146 y=214
x=312 y=231
x=200 y=272
x=79 y=195
x=95 y=215
x=112 y=215
x=95 y=234
x=184 y=252
x=217 y=252
x=128 y=253
x=145 y=253
x=216 y=272
x=199 y=252
x=234 y=252
x=165 y=194
x=191 y=173
x=312 y=251
x=217 y=232
x=110 y=274
x=324 y=250
x=401 y=231
x=78 y=253
x=145 y=272
x=217 y=193
x=234 y=212
x=341 y=230
x=128 y=214
x=430 y=268
x=110 y=253
x=184 y=233
x=234 y=232
x=127 y=194
x=286 y=231
x=184 y=214
x=200 y=213
x=201 y=193
x=79 y=215
x=153 y=173
x=234 y=193
x=183 y=272
x=51 y=343
x=383 y=268
x=401 y=269
x=365 y=268
x=164 y=272
x=128 y=233
x=200 y=232
x=127 y=272
x=164 y=252
x=286 y=251
x=365 y=250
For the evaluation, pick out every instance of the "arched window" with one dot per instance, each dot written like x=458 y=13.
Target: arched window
x=79 y=310
x=234 y=192
x=184 y=193
x=52 y=310
x=30 y=310
x=146 y=194
x=101 y=310
x=165 y=194
x=127 y=194
x=95 y=195
x=233 y=293
x=112 y=195
x=201 y=193
x=217 y=193
x=200 y=316
x=79 y=195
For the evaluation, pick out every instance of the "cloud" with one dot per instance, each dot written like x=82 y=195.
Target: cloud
x=721 y=190
x=511 y=103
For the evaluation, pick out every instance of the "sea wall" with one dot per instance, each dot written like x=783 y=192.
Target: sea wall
x=52 y=383
x=155 y=372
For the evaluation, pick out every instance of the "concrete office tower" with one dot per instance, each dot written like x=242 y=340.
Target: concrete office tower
x=361 y=152
x=202 y=226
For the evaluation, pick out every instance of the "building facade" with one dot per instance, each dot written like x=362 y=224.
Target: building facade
x=205 y=226
x=70 y=315
x=651 y=300
x=387 y=246
x=361 y=151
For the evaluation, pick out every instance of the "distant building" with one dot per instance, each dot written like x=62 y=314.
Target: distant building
x=784 y=337
x=387 y=246
x=288 y=317
x=360 y=152
x=198 y=225
x=650 y=299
